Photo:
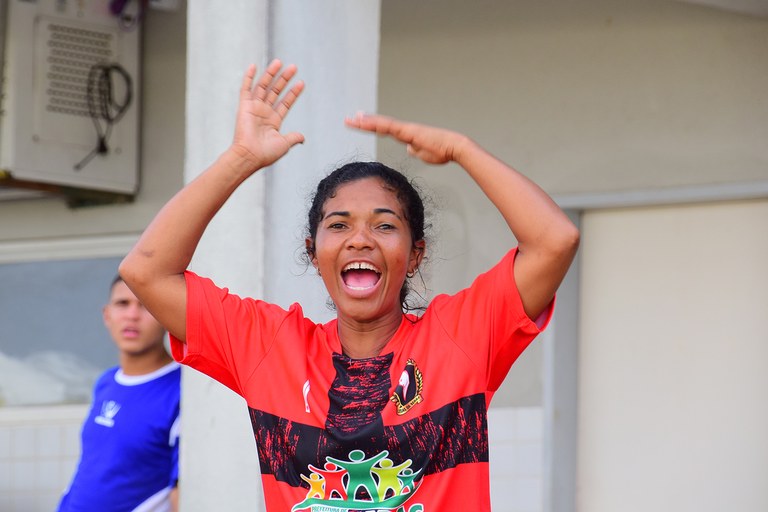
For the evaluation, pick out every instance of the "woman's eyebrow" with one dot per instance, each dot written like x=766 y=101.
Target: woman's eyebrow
x=344 y=213
x=336 y=214
x=385 y=210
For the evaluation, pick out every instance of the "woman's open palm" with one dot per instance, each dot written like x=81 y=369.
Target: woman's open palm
x=261 y=112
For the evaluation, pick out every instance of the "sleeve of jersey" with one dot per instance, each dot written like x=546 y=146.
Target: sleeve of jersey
x=488 y=322
x=227 y=336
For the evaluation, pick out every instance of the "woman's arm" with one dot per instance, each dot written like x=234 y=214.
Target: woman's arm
x=154 y=268
x=547 y=239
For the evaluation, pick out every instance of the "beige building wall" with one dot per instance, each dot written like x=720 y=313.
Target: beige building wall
x=588 y=98
x=674 y=340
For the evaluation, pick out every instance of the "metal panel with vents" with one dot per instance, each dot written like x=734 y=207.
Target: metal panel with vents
x=63 y=61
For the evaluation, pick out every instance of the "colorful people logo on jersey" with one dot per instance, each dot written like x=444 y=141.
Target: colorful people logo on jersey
x=409 y=387
x=361 y=484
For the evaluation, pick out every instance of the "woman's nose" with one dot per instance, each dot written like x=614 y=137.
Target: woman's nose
x=359 y=238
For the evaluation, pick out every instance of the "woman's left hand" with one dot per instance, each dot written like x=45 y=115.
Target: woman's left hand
x=430 y=144
x=547 y=239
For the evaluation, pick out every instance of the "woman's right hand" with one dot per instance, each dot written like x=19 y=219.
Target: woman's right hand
x=261 y=112
x=154 y=268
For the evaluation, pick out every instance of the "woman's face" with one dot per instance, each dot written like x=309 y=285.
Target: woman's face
x=363 y=250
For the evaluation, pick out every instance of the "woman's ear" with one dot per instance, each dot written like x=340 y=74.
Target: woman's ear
x=310 y=245
x=417 y=255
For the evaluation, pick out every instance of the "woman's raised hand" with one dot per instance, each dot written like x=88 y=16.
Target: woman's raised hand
x=260 y=114
x=430 y=144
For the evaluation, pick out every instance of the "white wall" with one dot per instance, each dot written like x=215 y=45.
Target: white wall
x=39 y=450
x=674 y=340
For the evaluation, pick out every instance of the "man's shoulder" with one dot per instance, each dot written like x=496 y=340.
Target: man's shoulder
x=108 y=374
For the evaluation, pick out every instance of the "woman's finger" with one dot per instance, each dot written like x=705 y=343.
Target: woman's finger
x=262 y=86
x=277 y=85
x=245 y=86
x=372 y=123
x=284 y=106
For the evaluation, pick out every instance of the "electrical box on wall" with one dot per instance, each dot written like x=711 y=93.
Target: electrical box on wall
x=70 y=98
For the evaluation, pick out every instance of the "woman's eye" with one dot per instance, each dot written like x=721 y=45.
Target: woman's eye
x=336 y=225
x=386 y=226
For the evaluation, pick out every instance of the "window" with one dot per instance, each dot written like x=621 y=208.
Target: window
x=53 y=343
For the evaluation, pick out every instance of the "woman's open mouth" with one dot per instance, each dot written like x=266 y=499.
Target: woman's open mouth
x=360 y=275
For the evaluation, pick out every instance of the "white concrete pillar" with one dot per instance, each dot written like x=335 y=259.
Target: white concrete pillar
x=253 y=243
x=219 y=465
x=560 y=400
x=335 y=44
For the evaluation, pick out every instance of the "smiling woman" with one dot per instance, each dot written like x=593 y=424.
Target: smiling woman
x=400 y=211
x=380 y=408
x=363 y=250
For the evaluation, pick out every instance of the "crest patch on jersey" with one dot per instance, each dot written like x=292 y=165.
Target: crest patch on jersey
x=109 y=410
x=409 y=388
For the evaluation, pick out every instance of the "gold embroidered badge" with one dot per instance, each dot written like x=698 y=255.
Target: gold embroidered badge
x=409 y=387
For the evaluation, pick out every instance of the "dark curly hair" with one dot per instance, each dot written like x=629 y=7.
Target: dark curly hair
x=409 y=197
